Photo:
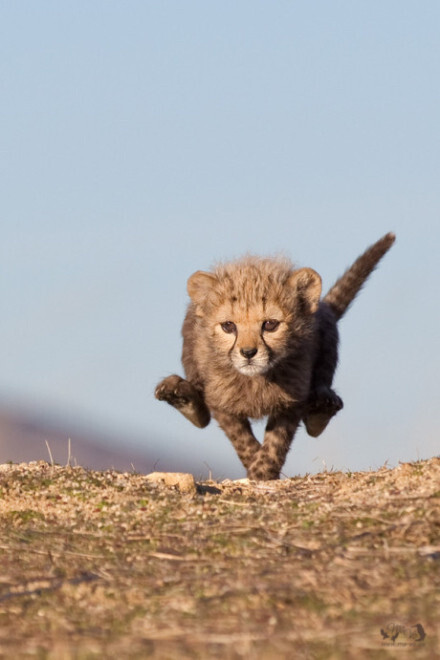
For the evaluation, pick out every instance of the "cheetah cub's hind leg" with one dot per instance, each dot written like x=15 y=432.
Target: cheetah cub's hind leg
x=185 y=398
x=322 y=405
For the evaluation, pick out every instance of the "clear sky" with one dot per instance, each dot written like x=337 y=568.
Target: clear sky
x=141 y=141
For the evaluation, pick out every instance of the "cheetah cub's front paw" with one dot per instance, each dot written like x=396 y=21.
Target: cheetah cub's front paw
x=183 y=396
x=322 y=405
x=174 y=390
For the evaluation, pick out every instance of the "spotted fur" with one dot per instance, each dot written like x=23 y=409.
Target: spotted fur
x=259 y=342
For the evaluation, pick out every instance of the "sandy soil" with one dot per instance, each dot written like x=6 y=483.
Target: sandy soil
x=335 y=565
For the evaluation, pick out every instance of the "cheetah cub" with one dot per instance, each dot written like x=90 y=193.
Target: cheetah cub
x=258 y=341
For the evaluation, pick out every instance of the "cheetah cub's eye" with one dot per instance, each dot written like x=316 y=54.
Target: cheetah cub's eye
x=228 y=326
x=271 y=325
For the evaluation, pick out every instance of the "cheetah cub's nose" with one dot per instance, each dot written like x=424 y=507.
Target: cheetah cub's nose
x=248 y=352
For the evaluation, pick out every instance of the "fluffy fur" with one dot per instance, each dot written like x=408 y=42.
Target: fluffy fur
x=259 y=342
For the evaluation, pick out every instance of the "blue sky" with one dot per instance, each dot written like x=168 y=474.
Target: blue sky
x=141 y=141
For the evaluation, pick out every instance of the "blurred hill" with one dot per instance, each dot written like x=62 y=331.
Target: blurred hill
x=24 y=434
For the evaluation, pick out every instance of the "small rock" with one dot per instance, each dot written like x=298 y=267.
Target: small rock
x=185 y=482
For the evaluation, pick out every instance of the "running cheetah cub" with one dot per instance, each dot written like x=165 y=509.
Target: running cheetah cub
x=258 y=341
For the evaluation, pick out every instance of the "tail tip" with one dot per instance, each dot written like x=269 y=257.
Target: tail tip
x=390 y=237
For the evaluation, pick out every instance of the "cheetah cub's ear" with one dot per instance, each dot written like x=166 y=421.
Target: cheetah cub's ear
x=306 y=283
x=199 y=286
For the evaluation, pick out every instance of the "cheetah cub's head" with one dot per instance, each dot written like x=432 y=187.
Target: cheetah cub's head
x=254 y=311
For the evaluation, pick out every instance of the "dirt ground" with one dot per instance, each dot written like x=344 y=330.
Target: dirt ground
x=105 y=564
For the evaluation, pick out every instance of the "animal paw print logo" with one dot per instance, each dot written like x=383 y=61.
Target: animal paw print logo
x=396 y=634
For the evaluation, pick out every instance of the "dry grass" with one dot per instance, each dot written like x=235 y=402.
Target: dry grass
x=99 y=564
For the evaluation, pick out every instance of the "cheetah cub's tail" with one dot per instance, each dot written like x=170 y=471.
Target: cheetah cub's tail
x=343 y=292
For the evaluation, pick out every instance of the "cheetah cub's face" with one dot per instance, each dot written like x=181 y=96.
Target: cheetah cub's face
x=254 y=339
x=253 y=309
